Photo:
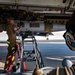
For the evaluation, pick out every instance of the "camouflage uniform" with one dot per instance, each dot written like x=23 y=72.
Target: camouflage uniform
x=11 y=46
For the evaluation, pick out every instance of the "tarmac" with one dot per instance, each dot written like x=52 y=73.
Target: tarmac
x=53 y=52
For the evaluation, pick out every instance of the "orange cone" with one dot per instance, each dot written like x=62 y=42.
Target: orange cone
x=24 y=65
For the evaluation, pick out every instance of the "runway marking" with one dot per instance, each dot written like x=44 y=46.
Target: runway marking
x=69 y=56
x=3 y=45
x=51 y=42
x=59 y=59
x=1 y=66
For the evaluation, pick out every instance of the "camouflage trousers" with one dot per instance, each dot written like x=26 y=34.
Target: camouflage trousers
x=10 y=56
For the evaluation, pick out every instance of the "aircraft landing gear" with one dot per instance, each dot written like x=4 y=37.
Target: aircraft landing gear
x=70 y=40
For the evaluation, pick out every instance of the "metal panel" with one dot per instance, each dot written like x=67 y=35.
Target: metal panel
x=37 y=29
x=44 y=2
x=38 y=2
x=7 y=1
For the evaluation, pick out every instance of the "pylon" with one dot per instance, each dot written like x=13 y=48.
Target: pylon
x=24 y=65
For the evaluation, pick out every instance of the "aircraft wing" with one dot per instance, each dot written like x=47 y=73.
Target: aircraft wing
x=49 y=4
x=39 y=15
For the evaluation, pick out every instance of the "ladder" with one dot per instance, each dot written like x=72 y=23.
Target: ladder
x=34 y=54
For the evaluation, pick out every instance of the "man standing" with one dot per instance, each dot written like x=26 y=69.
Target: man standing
x=11 y=32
